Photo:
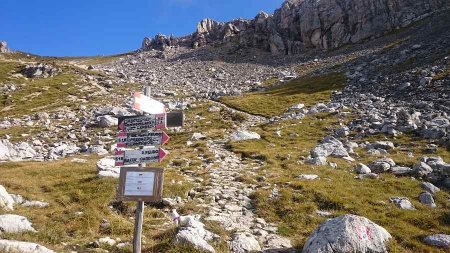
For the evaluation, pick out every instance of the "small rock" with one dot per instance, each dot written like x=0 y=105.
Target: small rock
x=317 y=161
x=198 y=136
x=426 y=198
x=362 y=169
x=33 y=203
x=6 y=201
x=107 y=121
x=429 y=187
x=438 y=240
x=214 y=109
x=9 y=246
x=401 y=171
x=11 y=223
x=107 y=240
x=243 y=135
x=402 y=203
x=243 y=243
x=308 y=176
x=422 y=169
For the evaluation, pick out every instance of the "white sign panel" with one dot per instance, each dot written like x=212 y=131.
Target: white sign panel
x=139 y=183
x=148 y=104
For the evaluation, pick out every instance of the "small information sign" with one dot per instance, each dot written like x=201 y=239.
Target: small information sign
x=140 y=184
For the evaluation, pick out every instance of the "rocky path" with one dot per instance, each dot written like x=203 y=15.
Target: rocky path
x=230 y=202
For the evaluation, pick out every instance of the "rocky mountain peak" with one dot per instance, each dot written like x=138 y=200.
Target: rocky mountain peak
x=208 y=25
x=3 y=47
x=301 y=24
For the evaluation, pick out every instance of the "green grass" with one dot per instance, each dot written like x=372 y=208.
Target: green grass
x=275 y=100
x=39 y=94
x=7 y=69
x=73 y=187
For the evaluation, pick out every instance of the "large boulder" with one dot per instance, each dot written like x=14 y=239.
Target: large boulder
x=9 y=246
x=348 y=233
x=6 y=200
x=40 y=70
x=16 y=152
x=11 y=223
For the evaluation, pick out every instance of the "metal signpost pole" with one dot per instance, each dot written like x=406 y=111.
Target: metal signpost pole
x=139 y=219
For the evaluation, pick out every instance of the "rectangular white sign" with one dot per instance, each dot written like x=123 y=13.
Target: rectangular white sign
x=139 y=183
x=148 y=104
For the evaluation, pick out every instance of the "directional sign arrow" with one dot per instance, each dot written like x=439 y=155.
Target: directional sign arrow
x=146 y=155
x=148 y=104
x=125 y=139
x=138 y=123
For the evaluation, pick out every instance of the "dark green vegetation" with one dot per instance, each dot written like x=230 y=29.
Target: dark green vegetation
x=274 y=101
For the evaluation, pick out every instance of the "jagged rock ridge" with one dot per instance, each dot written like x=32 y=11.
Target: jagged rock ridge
x=301 y=24
x=3 y=47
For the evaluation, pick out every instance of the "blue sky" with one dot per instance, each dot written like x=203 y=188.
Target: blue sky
x=102 y=27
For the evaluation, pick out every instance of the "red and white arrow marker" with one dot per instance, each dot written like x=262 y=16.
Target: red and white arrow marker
x=148 y=104
x=125 y=139
x=146 y=155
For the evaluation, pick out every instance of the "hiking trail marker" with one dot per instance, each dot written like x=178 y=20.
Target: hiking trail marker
x=147 y=104
x=138 y=183
x=125 y=140
x=140 y=123
x=139 y=156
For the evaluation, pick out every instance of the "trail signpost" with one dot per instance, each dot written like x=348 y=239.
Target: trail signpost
x=138 y=183
x=140 y=156
x=125 y=140
x=139 y=123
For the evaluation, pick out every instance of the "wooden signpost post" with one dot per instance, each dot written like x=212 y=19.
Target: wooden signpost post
x=139 y=183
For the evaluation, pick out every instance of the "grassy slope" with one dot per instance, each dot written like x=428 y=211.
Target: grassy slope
x=274 y=101
x=38 y=94
x=337 y=191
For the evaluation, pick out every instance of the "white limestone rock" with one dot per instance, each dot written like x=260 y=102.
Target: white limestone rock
x=243 y=135
x=9 y=246
x=11 y=223
x=243 y=243
x=6 y=201
x=348 y=233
